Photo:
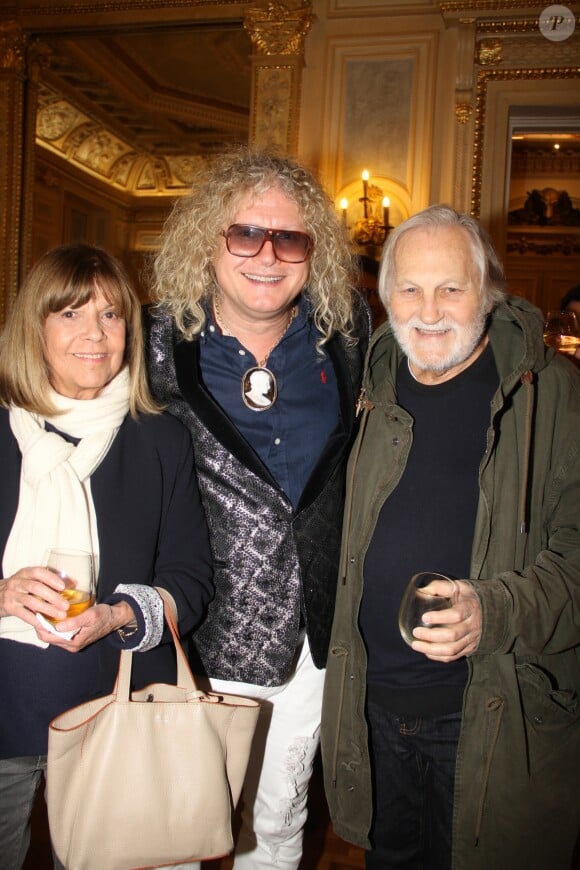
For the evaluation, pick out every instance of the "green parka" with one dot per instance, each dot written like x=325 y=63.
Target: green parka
x=517 y=784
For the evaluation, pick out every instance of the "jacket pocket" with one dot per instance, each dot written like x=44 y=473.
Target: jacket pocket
x=546 y=708
x=552 y=734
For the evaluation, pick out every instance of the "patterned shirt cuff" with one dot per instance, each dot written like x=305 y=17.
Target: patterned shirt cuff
x=149 y=602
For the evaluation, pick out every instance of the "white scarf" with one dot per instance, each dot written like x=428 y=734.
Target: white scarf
x=55 y=505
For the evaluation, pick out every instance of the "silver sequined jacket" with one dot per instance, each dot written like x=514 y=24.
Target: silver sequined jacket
x=273 y=565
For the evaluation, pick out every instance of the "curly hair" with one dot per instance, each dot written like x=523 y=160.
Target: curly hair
x=435 y=216
x=66 y=276
x=183 y=271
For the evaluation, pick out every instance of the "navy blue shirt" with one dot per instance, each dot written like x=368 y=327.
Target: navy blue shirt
x=290 y=436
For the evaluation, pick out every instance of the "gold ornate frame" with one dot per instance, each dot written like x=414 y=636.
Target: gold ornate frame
x=484 y=78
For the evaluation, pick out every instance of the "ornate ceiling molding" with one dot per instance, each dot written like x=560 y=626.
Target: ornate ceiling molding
x=72 y=134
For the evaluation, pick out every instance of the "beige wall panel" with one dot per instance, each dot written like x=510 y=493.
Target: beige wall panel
x=376 y=111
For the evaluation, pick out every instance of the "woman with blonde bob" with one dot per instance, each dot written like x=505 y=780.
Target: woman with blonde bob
x=257 y=344
x=77 y=429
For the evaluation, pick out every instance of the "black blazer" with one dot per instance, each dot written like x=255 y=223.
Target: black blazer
x=273 y=566
x=152 y=530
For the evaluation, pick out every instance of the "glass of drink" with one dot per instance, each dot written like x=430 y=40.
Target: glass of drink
x=77 y=569
x=417 y=601
x=562 y=331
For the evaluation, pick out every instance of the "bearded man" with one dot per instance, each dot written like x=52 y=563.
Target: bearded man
x=462 y=748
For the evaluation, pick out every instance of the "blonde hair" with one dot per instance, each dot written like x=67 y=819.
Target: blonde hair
x=65 y=276
x=183 y=272
x=490 y=268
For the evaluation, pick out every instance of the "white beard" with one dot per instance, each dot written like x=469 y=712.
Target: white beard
x=465 y=340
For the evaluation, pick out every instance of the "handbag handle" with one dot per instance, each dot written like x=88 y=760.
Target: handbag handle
x=185 y=678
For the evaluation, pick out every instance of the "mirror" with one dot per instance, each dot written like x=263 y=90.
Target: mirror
x=124 y=115
x=543 y=204
x=135 y=107
x=540 y=259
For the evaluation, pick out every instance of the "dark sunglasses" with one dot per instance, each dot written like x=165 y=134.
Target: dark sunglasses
x=290 y=246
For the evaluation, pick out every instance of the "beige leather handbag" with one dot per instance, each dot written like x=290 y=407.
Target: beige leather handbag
x=148 y=778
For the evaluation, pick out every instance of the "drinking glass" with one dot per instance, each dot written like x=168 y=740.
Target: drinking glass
x=77 y=569
x=416 y=602
x=562 y=331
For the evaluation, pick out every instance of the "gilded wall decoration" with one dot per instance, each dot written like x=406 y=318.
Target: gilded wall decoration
x=184 y=168
x=273 y=104
x=484 y=78
x=509 y=25
x=536 y=51
x=484 y=5
x=12 y=47
x=55 y=120
x=67 y=131
x=100 y=150
x=277 y=33
x=566 y=246
x=489 y=52
x=278 y=29
x=463 y=113
x=130 y=6
x=121 y=169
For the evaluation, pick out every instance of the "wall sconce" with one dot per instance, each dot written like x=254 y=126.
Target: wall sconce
x=372 y=230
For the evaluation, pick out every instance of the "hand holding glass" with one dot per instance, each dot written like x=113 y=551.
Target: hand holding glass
x=417 y=601
x=562 y=332
x=77 y=569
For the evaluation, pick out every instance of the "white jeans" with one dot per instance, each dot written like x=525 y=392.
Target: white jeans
x=276 y=786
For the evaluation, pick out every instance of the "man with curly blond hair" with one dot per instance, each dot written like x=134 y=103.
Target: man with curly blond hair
x=257 y=343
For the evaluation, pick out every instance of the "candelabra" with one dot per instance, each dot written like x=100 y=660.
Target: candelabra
x=370 y=231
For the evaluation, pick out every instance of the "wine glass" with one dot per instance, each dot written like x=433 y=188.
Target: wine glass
x=562 y=332
x=417 y=601
x=77 y=569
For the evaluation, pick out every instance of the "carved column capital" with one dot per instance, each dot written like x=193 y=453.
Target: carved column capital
x=277 y=32
x=278 y=29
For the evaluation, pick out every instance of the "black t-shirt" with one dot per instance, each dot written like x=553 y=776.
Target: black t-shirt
x=426 y=524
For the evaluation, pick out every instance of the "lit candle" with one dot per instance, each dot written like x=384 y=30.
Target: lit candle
x=365 y=181
x=365 y=197
x=386 y=204
x=344 y=207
